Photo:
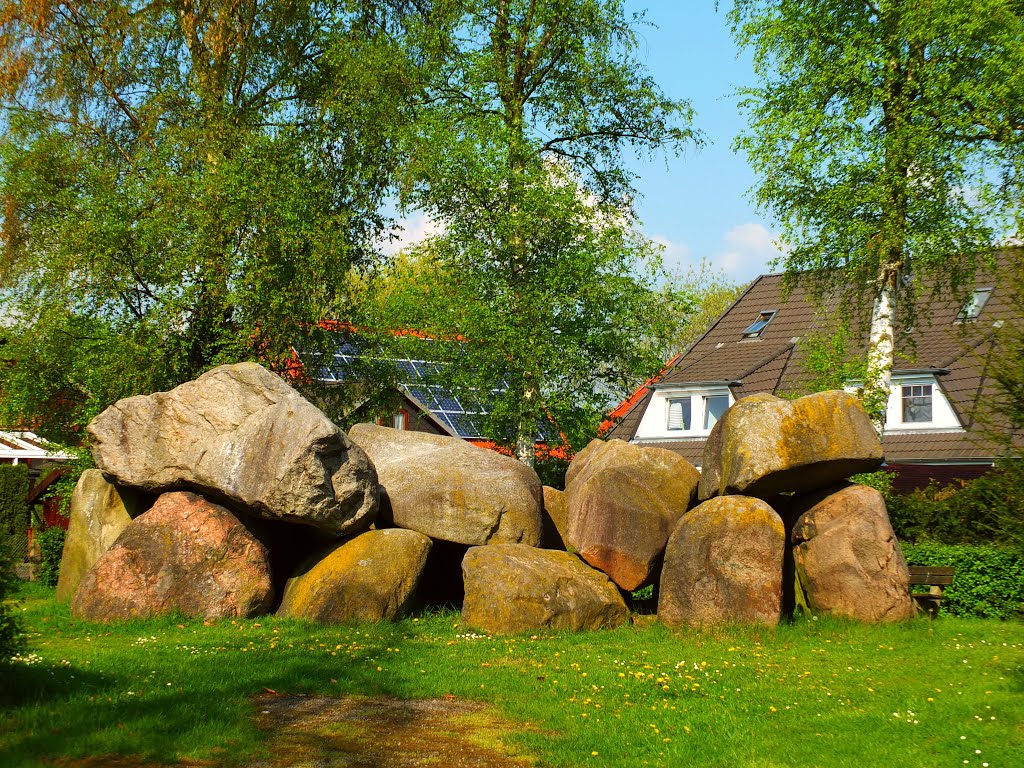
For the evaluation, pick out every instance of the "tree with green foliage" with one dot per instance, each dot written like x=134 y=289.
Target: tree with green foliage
x=517 y=151
x=887 y=136
x=688 y=304
x=184 y=184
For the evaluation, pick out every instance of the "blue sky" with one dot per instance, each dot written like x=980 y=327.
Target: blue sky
x=697 y=204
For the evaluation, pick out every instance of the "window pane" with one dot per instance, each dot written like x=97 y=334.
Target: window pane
x=714 y=407
x=917 y=404
x=679 y=413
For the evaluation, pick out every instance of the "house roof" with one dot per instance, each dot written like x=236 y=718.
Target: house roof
x=956 y=352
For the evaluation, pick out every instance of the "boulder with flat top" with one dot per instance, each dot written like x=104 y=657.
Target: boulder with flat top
x=514 y=588
x=240 y=435
x=372 y=577
x=764 y=445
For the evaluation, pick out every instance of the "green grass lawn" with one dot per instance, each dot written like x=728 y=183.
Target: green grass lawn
x=815 y=693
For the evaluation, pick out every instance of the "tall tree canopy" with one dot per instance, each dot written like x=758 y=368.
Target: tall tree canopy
x=518 y=152
x=886 y=134
x=183 y=184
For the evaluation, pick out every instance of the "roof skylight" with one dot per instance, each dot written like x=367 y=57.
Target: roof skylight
x=974 y=304
x=756 y=328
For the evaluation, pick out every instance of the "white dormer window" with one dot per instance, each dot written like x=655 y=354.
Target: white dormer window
x=756 y=328
x=684 y=411
x=917 y=403
x=973 y=306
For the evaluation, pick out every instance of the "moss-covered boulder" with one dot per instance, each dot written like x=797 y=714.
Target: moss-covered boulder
x=448 y=489
x=514 y=588
x=372 y=577
x=723 y=565
x=99 y=512
x=185 y=554
x=764 y=445
x=624 y=504
x=848 y=561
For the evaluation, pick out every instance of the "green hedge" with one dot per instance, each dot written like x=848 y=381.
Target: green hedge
x=13 y=508
x=51 y=547
x=989 y=581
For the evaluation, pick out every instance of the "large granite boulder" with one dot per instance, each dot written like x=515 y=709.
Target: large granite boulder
x=624 y=504
x=723 y=565
x=99 y=512
x=847 y=558
x=241 y=436
x=579 y=462
x=764 y=445
x=515 y=588
x=186 y=554
x=447 y=489
x=372 y=577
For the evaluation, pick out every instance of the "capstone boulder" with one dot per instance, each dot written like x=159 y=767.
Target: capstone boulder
x=243 y=437
x=723 y=565
x=624 y=504
x=847 y=558
x=186 y=554
x=447 y=489
x=515 y=588
x=765 y=445
x=372 y=577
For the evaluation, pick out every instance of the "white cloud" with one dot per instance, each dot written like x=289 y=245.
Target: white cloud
x=410 y=231
x=748 y=252
x=675 y=254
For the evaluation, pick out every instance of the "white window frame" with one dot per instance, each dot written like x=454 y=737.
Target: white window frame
x=655 y=423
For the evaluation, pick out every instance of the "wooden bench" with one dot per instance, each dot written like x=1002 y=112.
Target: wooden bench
x=935 y=576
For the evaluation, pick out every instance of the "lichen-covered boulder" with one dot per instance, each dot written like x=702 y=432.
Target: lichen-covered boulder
x=622 y=507
x=186 y=554
x=555 y=518
x=241 y=436
x=99 y=512
x=447 y=489
x=372 y=577
x=514 y=588
x=764 y=445
x=723 y=565
x=847 y=558
x=591 y=452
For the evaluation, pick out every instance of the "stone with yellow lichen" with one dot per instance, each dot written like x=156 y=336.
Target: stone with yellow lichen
x=99 y=512
x=372 y=577
x=764 y=445
x=515 y=588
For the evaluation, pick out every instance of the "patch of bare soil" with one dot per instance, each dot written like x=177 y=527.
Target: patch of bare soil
x=324 y=732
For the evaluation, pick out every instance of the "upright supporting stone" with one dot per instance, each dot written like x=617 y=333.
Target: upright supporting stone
x=723 y=565
x=99 y=512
